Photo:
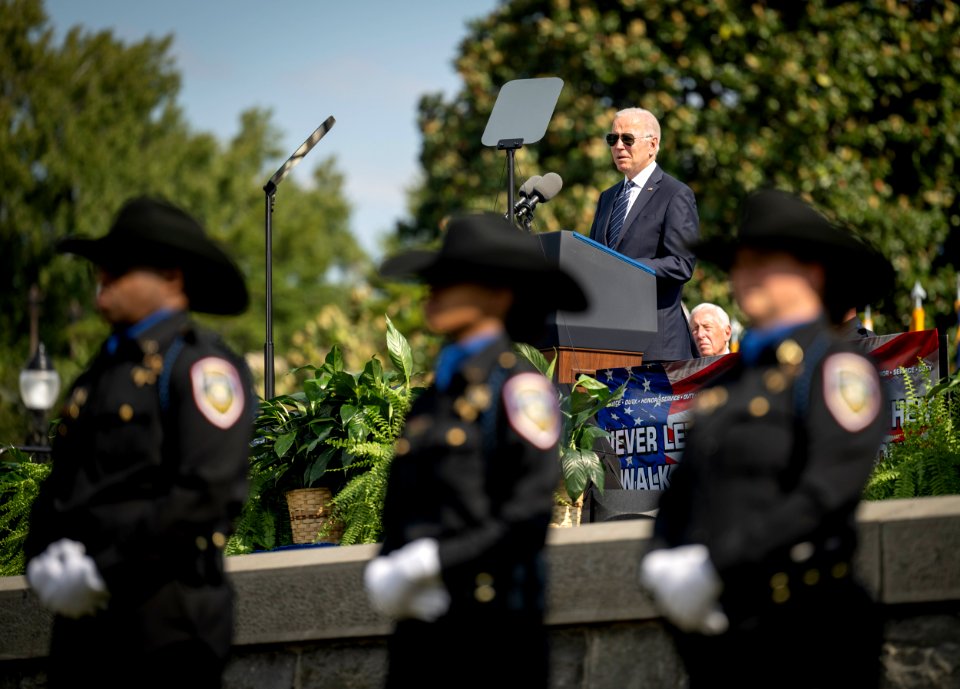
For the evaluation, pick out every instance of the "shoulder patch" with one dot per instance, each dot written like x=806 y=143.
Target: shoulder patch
x=532 y=409
x=217 y=391
x=851 y=389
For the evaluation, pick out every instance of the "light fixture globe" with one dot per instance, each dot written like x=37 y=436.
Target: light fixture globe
x=39 y=382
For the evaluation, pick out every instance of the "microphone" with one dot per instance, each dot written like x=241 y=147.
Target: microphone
x=527 y=186
x=543 y=190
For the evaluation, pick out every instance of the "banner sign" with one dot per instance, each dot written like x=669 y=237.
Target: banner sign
x=648 y=423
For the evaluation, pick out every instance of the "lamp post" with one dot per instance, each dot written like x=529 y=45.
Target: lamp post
x=39 y=388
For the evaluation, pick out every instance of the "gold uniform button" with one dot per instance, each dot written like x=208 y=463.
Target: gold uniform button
x=201 y=543
x=759 y=406
x=811 y=577
x=507 y=360
x=779 y=580
x=150 y=346
x=142 y=376
x=479 y=396
x=403 y=446
x=219 y=540
x=73 y=411
x=484 y=579
x=775 y=381
x=465 y=410
x=790 y=353
x=62 y=429
x=484 y=594
x=840 y=570
x=456 y=437
x=80 y=396
x=126 y=412
x=781 y=595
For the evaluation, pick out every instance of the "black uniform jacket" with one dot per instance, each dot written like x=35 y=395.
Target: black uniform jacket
x=150 y=462
x=774 y=468
x=464 y=476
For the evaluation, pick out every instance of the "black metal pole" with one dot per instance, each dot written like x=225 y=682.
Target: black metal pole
x=268 y=370
x=510 y=157
x=270 y=188
x=510 y=146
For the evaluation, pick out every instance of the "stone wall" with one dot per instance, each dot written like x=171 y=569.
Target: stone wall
x=303 y=620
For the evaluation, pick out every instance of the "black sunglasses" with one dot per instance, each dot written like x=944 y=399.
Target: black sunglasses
x=628 y=139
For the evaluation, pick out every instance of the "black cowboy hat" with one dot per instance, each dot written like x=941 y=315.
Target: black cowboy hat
x=485 y=248
x=857 y=273
x=152 y=232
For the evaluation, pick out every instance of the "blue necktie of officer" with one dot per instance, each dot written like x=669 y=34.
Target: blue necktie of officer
x=619 y=214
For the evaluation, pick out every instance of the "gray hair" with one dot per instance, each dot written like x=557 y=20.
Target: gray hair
x=652 y=125
x=720 y=314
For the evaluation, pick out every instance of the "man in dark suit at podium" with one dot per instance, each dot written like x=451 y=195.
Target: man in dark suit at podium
x=652 y=217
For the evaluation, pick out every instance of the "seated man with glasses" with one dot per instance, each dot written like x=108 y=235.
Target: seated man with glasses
x=652 y=217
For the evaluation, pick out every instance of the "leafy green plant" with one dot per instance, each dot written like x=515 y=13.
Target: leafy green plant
x=927 y=460
x=579 y=462
x=338 y=432
x=20 y=480
x=359 y=504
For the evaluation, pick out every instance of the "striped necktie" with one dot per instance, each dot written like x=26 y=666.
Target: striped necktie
x=619 y=214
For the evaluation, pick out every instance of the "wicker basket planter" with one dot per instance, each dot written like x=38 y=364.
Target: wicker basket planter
x=566 y=512
x=309 y=513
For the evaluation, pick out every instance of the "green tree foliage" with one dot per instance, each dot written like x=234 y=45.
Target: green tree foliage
x=89 y=121
x=853 y=104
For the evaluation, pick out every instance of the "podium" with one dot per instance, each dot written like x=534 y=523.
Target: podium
x=621 y=319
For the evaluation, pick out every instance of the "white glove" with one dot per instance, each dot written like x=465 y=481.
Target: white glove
x=685 y=586
x=429 y=602
x=406 y=582
x=66 y=580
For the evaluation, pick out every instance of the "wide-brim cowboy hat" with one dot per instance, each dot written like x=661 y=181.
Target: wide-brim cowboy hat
x=485 y=248
x=154 y=233
x=857 y=272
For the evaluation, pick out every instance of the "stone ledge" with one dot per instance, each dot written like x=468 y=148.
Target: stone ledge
x=914 y=549
x=910 y=553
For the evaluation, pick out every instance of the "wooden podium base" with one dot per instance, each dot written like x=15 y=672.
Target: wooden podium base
x=572 y=361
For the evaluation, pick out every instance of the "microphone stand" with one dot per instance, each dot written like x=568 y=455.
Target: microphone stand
x=270 y=189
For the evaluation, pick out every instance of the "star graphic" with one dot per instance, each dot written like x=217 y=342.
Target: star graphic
x=646 y=385
x=658 y=402
x=629 y=461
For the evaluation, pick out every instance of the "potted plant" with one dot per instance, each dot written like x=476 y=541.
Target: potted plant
x=580 y=464
x=336 y=433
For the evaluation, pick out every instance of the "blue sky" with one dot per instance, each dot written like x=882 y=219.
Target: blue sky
x=366 y=62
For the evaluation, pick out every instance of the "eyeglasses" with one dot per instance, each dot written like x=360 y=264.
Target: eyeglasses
x=628 y=139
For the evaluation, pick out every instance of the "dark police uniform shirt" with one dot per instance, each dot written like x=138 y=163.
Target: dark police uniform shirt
x=774 y=468
x=476 y=469
x=150 y=464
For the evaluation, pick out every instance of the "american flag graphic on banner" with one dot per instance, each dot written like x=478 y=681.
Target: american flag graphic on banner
x=648 y=423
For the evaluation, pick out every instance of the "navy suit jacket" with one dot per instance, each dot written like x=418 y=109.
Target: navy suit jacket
x=661 y=225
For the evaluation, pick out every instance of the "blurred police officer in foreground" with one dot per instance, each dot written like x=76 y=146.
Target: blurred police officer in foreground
x=149 y=466
x=754 y=541
x=470 y=494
